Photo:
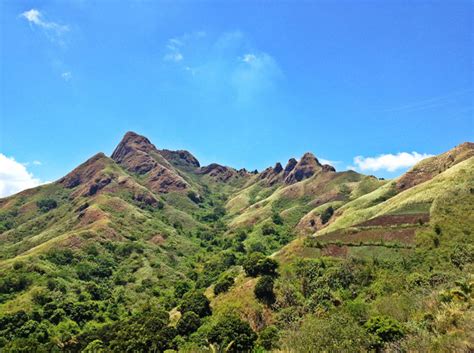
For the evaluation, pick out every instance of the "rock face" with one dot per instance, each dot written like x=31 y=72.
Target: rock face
x=430 y=167
x=100 y=174
x=305 y=168
x=90 y=170
x=180 y=158
x=290 y=165
x=218 y=172
x=272 y=175
x=294 y=171
x=138 y=155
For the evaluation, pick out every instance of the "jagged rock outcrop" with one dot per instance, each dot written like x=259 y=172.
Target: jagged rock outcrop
x=180 y=158
x=430 y=167
x=138 y=155
x=218 y=172
x=307 y=166
x=100 y=174
x=89 y=173
x=290 y=166
x=272 y=175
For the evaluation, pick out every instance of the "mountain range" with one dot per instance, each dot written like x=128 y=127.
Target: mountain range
x=147 y=250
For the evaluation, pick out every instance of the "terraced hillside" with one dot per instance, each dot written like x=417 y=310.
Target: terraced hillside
x=147 y=250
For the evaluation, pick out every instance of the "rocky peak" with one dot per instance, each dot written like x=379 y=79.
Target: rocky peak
x=290 y=165
x=307 y=166
x=138 y=155
x=218 y=172
x=180 y=158
x=277 y=168
x=86 y=171
x=131 y=141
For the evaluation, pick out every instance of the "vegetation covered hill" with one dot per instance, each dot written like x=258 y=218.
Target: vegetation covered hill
x=148 y=251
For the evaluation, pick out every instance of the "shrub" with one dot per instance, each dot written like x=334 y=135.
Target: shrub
x=232 y=334
x=46 y=205
x=276 y=218
x=264 y=290
x=334 y=333
x=268 y=338
x=196 y=302
x=257 y=264
x=188 y=323
x=462 y=255
x=384 y=329
x=223 y=284
x=181 y=288
x=267 y=229
x=194 y=196
x=327 y=214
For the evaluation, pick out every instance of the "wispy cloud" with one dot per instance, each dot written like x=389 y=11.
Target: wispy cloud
x=327 y=161
x=227 y=64
x=176 y=57
x=66 y=76
x=255 y=73
x=175 y=45
x=14 y=176
x=388 y=162
x=52 y=29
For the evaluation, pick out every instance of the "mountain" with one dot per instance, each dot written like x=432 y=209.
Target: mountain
x=147 y=250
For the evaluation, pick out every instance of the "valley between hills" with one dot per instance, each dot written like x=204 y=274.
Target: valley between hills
x=148 y=251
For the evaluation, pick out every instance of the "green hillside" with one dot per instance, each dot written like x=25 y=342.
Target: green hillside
x=147 y=251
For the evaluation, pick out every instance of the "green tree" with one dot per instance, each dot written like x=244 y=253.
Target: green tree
x=268 y=338
x=197 y=302
x=46 y=205
x=230 y=331
x=223 y=284
x=264 y=290
x=277 y=219
x=384 y=329
x=188 y=323
x=267 y=229
x=327 y=214
x=257 y=264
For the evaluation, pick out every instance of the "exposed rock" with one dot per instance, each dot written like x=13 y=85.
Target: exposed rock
x=243 y=172
x=218 y=172
x=85 y=172
x=277 y=168
x=305 y=168
x=163 y=180
x=180 y=158
x=430 y=167
x=290 y=165
x=138 y=155
x=272 y=175
x=98 y=184
x=328 y=168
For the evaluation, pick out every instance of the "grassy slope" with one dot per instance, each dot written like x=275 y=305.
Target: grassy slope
x=451 y=202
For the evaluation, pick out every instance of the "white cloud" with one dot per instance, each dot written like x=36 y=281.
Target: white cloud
x=389 y=162
x=37 y=163
x=35 y=17
x=327 y=161
x=176 y=57
x=248 y=58
x=224 y=65
x=256 y=73
x=14 y=176
x=66 y=76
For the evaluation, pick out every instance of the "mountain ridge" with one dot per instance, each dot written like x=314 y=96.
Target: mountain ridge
x=147 y=228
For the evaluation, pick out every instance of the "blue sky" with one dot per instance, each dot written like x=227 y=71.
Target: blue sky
x=243 y=83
